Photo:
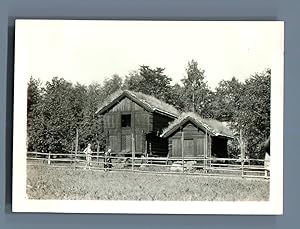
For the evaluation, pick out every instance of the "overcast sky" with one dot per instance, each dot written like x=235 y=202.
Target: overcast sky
x=87 y=51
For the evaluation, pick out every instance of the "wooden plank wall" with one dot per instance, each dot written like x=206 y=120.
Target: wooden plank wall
x=194 y=140
x=140 y=125
x=160 y=122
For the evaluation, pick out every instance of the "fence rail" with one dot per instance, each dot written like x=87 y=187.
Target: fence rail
x=250 y=168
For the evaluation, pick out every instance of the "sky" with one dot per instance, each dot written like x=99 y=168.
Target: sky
x=90 y=51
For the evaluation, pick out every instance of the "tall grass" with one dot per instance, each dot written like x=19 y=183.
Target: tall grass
x=66 y=183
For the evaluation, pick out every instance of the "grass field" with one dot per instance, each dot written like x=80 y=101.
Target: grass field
x=65 y=183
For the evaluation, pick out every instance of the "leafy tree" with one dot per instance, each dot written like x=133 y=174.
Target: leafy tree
x=59 y=119
x=132 y=81
x=149 y=81
x=110 y=85
x=197 y=95
x=56 y=110
x=227 y=99
x=253 y=115
x=91 y=130
x=33 y=94
x=34 y=99
x=174 y=97
x=246 y=106
x=78 y=100
x=78 y=97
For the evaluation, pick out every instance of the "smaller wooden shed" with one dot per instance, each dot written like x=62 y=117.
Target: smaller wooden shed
x=192 y=136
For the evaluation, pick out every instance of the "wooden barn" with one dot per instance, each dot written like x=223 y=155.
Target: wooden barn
x=199 y=137
x=134 y=121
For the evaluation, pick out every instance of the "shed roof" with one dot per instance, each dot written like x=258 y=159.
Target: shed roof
x=214 y=127
x=148 y=102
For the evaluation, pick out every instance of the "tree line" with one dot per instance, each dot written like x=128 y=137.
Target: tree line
x=56 y=108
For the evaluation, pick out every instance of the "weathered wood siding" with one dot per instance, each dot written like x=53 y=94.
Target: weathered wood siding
x=156 y=145
x=194 y=143
x=160 y=122
x=145 y=127
x=120 y=138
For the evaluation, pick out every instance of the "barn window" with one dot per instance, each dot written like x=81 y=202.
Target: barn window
x=126 y=120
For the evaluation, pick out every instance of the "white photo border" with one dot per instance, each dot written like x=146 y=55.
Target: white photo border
x=20 y=202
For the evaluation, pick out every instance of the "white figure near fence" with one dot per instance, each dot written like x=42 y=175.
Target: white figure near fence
x=267 y=164
x=107 y=160
x=88 y=155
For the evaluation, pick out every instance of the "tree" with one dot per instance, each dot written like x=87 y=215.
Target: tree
x=92 y=126
x=133 y=81
x=59 y=119
x=58 y=109
x=33 y=95
x=174 y=97
x=78 y=100
x=254 y=113
x=110 y=85
x=246 y=106
x=34 y=99
x=227 y=99
x=197 y=95
x=149 y=81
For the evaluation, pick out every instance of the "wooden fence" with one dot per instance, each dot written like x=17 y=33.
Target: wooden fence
x=252 y=168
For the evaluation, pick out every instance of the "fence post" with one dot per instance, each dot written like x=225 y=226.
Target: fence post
x=182 y=149
x=98 y=153
x=133 y=152
x=76 y=148
x=150 y=151
x=105 y=161
x=242 y=167
x=267 y=164
x=209 y=151
x=49 y=161
x=266 y=173
x=205 y=152
x=242 y=146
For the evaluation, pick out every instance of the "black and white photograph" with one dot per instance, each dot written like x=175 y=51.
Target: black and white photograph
x=160 y=117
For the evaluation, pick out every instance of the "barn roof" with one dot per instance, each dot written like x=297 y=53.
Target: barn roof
x=148 y=102
x=214 y=127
